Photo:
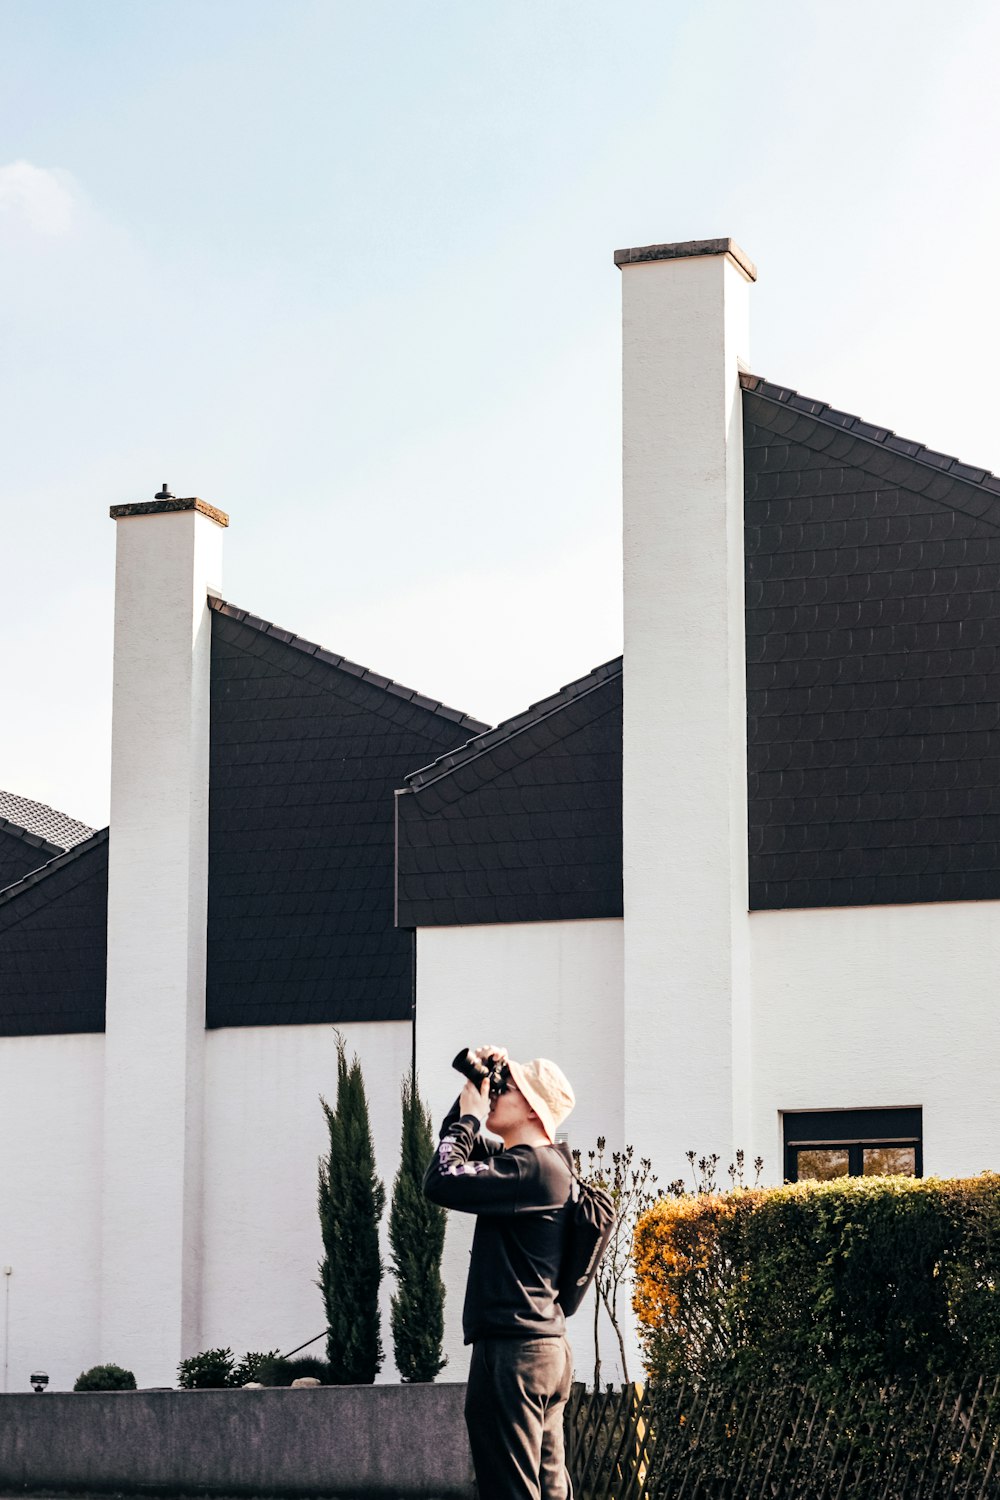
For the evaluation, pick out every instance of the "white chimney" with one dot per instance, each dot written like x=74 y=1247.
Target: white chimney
x=685 y=335
x=169 y=558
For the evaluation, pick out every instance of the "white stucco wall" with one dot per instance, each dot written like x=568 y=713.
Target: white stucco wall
x=264 y=1132
x=877 y=1007
x=50 y=1206
x=856 y=1008
x=259 y=1243
x=542 y=989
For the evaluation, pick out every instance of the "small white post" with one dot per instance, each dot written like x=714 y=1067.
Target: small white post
x=169 y=557
x=685 y=332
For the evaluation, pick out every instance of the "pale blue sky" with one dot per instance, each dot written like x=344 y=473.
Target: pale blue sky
x=346 y=271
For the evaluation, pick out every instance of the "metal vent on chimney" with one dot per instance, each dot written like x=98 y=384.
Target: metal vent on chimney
x=164 y=494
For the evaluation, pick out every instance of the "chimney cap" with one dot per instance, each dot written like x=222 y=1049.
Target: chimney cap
x=159 y=507
x=164 y=493
x=688 y=250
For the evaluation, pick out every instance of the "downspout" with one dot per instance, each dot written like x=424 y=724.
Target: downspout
x=413 y=932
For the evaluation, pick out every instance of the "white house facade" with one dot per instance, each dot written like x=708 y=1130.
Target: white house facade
x=742 y=883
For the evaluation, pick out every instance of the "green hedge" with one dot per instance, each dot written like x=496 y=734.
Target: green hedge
x=882 y=1278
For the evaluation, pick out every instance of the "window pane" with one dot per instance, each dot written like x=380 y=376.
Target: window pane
x=822 y=1163
x=885 y=1161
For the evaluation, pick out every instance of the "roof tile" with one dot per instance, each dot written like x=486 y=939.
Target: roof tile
x=43 y=822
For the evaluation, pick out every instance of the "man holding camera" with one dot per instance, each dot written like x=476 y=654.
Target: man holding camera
x=522 y=1367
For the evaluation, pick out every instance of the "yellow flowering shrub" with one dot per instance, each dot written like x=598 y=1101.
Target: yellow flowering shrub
x=675 y=1245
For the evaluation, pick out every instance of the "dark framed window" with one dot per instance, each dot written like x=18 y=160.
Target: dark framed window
x=824 y=1143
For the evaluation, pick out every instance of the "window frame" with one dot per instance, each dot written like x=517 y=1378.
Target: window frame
x=854 y=1130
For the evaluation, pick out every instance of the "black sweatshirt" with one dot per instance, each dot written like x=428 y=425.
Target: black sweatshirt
x=520 y=1198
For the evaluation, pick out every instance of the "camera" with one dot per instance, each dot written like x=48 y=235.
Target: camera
x=494 y=1069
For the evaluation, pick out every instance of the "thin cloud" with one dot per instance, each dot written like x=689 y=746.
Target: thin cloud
x=39 y=199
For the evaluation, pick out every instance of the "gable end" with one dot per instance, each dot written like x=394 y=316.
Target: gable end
x=873 y=663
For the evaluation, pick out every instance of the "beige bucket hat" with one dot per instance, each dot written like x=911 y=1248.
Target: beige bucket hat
x=547 y=1090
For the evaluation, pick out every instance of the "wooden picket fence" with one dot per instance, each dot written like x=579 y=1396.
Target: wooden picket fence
x=932 y=1440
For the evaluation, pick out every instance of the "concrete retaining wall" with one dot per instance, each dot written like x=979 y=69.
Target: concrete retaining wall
x=345 y=1441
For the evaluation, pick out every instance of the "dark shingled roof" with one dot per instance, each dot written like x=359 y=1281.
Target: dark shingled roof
x=53 y=944
x=523 y=824
x=45 y=823
x=306 y=752
x=873 y=662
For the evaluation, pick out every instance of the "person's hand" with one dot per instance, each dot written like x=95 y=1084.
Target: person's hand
x=482 y=1053
x=475 y=1099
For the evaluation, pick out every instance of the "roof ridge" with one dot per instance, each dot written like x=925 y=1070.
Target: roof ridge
x=342 y=663
x=941 y=464
x=64 y=857
x=535 y=713
x=35 y=839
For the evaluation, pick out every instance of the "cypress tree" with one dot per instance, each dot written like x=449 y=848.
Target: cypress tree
x=351 y=1200
x=416 y=1235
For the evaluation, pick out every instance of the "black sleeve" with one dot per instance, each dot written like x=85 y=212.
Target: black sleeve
x=481 y=1147
x=470 y=1174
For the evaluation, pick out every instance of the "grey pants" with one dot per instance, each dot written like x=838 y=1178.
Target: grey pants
x=514 y=1407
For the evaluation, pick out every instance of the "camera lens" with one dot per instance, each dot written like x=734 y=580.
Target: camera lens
x=470 y=1066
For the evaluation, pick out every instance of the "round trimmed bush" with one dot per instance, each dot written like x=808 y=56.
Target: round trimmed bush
x=105 y=1378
